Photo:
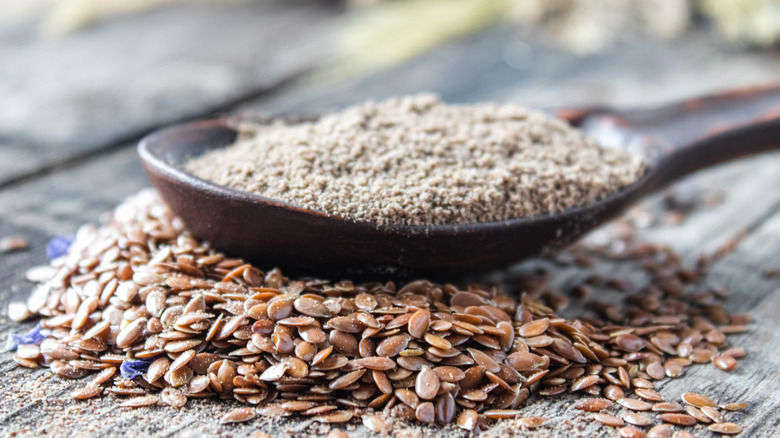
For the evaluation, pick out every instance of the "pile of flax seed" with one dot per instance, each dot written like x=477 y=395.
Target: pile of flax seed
x=141 y=311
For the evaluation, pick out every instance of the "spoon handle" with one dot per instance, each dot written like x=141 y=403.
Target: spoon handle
x=686 y=136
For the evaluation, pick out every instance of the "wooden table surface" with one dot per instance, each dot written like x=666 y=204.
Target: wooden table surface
x=71 y=111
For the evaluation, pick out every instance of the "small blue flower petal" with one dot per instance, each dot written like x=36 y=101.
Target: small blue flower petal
x=58 y=246
x=12 y=342
x=131 y=369
x=36 y=335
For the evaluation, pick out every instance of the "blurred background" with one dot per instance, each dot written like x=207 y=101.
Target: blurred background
x=82 y=77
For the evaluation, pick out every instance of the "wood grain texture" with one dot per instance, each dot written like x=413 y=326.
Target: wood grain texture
x=112 y=82
x=34 y=403
x=501 y=65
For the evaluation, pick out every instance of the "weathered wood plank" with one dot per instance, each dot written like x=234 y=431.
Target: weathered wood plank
x=499 y=65
x=60 y=202
x=115 y=81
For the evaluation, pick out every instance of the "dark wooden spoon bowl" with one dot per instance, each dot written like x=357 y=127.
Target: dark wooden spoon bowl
x=677 y=139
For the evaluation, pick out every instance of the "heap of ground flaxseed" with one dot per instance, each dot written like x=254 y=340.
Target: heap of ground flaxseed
x=416 y=161
x=158 y=317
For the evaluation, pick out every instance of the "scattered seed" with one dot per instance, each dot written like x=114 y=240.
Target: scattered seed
x=425 y=412
x=661 y=431
x=697 y=400
x=239 y=415
x=734 y=406
x=139 y=402
x=12 y=243
x=725 y=428
x=631 y=432
x=697 y=414
x=87 y=392
x=173 y=397
x=209 y=326
x=678 y=419
x=725 y=363
x=376 y=424
x=608 y=419
x=713 y=414
x=637 y=419
x=634 y=404
x=649 y=394
x=531 y=422
x=593 y=404
x=426 y=384
x=668 y=407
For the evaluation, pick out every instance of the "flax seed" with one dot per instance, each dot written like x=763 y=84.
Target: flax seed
x=608 y=419
x=223 y=328
x=697 y=400
x=725 y=428
x=678 y=419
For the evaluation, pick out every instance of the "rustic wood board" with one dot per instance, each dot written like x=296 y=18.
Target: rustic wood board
x=111 y=82
x=485 y=67
x=33 y=403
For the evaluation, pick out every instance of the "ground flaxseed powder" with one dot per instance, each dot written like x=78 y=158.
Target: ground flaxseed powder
x=416 y=161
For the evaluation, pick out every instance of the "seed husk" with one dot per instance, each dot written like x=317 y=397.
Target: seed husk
x=468 y=419
x=173 y=397
x=697 y=400
x=637 y=419
x=426 y=385
x=86 y=392
x=635 y=404
x=418 y=323
x=376 y=424
x=239 y=415
x=393 y=345
x=139 y=402
x=725 y=363
x=656 y=371
x=376 y=363
x=649 y=394
x=630 y=432
x=668 y=407
x=501 y=413
x=593 y=404
x=725 y=428
x=130 y=333
x=678 y=419
x=697 y=414
x=713 y=414
x=449 y=374
x=660 y=431
x=407 y=397
x=484 y=360
x=608 y=419
x=614 y=392
x=533 y=328
x=316 y=348
x=346 y=379
x=445 y=408
x=425 y=412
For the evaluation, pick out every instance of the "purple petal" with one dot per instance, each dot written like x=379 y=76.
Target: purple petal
x=58 y=246
x=131 y=369
x=35 y=336
x=12 y=342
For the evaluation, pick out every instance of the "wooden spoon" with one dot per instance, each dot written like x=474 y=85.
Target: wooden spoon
x=677 y=139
